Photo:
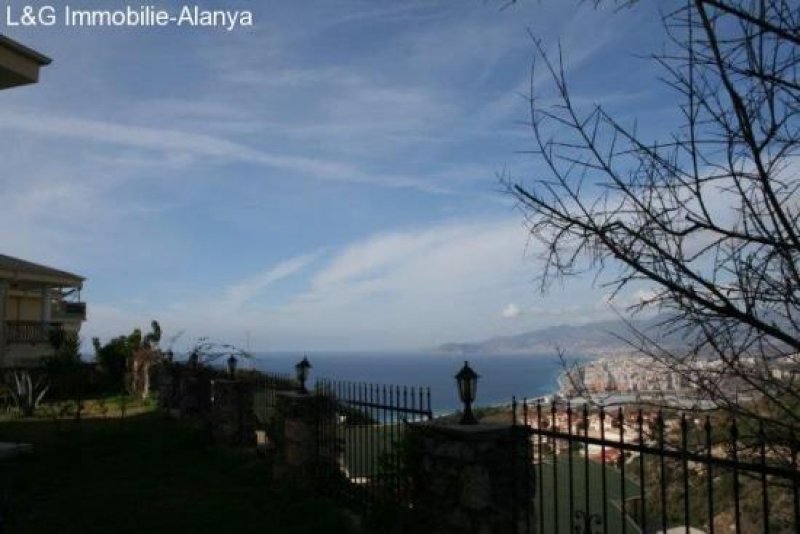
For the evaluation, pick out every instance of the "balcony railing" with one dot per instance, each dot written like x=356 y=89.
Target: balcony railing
x=29 y=331
x=70 y=310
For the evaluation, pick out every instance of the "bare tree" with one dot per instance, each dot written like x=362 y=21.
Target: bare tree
x=706 y=219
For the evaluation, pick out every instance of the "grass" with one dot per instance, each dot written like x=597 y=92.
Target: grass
x=146 y=473
x=111 y=406
x=555 y=490
x=367 y=445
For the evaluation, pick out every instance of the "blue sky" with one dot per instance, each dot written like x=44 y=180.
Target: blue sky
x=324 y=180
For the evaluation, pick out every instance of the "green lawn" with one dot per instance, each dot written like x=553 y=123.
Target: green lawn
x=367 y=445
x=150 y=474
x=555 y=492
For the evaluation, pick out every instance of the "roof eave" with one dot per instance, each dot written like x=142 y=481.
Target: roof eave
x=19 y=65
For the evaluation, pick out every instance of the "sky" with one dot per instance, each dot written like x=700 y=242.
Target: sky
x=324 y=180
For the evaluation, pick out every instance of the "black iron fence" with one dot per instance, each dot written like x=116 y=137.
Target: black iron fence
x=643 y=470
x=363 y=427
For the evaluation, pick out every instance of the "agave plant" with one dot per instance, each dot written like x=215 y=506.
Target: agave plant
x=26 y=392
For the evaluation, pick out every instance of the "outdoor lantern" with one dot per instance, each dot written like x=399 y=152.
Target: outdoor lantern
x=467 y=381
x=232 y=365
x=302 y=373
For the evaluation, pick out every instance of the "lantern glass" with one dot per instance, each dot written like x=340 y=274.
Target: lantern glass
x=467 y=382
x=466 y=389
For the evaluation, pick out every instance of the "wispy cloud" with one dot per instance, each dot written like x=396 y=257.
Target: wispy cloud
x=250 y=288
x=370 y=132
x=195 y=146
x=511 y=311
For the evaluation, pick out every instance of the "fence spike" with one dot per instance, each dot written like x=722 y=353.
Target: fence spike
x=709 y=476
x=762 y=439
x=622 y=479
x=513 y=411
x=685 y=463
x=525 y=411
x=734 y=444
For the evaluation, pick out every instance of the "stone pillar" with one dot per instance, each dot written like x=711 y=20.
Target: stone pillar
x=194 y=392
x=471 y=479
x=232 y=416
x=167 y=386
x=306 y=443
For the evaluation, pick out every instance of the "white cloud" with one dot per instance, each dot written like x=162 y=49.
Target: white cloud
x=245 y=290
x=173 y=143
x=398 y=290
x=511 y=311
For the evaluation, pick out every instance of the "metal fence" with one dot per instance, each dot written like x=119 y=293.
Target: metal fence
x=364 y=426
x=643 y=470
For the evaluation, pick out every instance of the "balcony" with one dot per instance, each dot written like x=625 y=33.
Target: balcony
x=69 y=311
x=29 y=331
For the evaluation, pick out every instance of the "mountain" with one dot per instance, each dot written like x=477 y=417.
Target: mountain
x=591 y=339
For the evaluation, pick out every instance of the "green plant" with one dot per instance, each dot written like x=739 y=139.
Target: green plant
x=112 y=358
x=26 y=392
x=125 y=361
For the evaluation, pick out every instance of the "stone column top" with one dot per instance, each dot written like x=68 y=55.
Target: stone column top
x=295 y=395
x=480 y=431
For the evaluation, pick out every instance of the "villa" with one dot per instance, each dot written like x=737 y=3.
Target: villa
x=38 y=300
x=35 y=300
x=19 y=65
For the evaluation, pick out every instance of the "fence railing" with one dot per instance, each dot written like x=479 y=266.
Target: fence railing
x=365 y=424
x=642 y=470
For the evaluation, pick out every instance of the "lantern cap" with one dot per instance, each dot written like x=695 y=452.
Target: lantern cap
x=466 y=373
x=304 y=363
x=232 y=361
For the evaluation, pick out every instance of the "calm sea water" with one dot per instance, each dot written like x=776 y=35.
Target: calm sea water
x=500 y=376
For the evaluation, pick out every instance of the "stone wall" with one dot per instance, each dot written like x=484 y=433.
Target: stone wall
x=307 y=450
x=232 y=416
x=471 y=478
x=465 y=479
x=212 y=401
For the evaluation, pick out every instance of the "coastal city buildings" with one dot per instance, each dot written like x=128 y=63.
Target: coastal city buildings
x=630 y=379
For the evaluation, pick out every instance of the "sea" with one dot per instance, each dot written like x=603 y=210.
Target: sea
x=501 y=377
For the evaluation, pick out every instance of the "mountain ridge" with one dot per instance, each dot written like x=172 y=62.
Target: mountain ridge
x=597 y=338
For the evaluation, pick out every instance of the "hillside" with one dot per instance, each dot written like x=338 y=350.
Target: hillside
x=591 y=339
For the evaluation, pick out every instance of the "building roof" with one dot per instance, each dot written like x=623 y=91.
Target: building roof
x=19 y=65
x=20 y=270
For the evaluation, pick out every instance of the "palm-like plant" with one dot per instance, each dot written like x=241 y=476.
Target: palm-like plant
x=26 y=392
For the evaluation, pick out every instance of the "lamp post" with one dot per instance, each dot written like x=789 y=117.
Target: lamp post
x=302 y=369
x=467 y=381
x=232 y=365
